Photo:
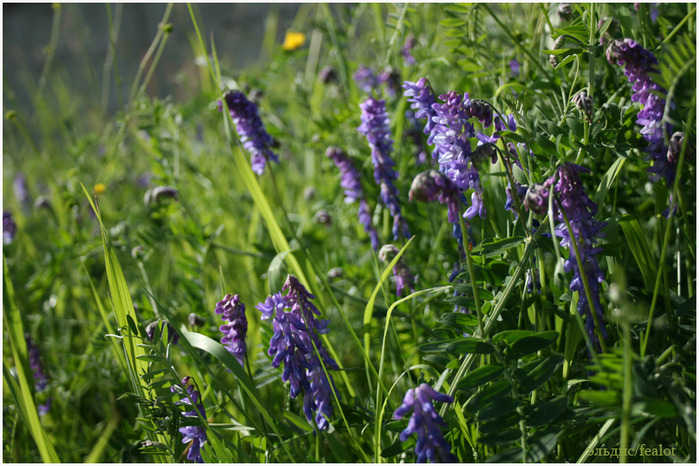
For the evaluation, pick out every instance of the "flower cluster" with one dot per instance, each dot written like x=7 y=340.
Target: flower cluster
x=401 y=272
x=579 y=210
x=172 y=335
x=406 y=50
x=421 y=99
x=296 y=343
x=193 y=433
x=41 y=380
x=232 y=310
x=425 y=422
x=639 y=66
x=375 y=127
x=9 y=227
x=252 y=132
x=430 y=186
x=350 y=180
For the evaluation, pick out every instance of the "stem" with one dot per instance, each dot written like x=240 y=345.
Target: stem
x=472 y=275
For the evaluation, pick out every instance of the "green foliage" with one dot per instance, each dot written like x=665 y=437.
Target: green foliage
x=97 y=257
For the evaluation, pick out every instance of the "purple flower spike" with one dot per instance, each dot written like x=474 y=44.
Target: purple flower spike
x=584 y=230
x=421 y=100
x=297 y=344
x=195 y=434
x=425 y=422
x=353 y=190
x=9 y=227
x=639 y=67
x=366 y=79
x=41 y=380
x=401 y=273
x=375 y=127
x=233 y=311
x=405 y=51
x=252 y=132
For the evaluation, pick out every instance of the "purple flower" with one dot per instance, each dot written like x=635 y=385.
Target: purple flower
x=584 y=230
x=350 y=180
x=405 y=51
x=233 y=311
x=431 y=186
x=401 y=273
x=639 y=67
x=514 y=67
x=41 y=380
x=172 y=335
x=19 y=186
x=425 y=422
x=391 y=78
x=9 y=227
x=375 y=127
x=193 y=433
x=296 y=343
x=421 y=99
x=252 y=132
x=366 y=79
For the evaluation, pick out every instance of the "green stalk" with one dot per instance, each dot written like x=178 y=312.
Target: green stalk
x=50 y=49
x=471 y=274
x=627 y=394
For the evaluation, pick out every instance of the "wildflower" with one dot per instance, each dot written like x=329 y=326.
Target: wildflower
x=639 y=66
x=401 y=272
x=584 y=230
x=391 y=78
x=172 y=335
x=414 y=132
x=353 y=190
x=432 y=185
x=673 y=152
x=584 y=103
x=9 y=227
x=565 y=11
x=232 y=310
x=252 y=132
x=296 y=343
x=293 y=40
x=19 y=186
x=425 y=422
x=537 y=198
x=514 y=67
x=327 y=75
x=405 y=51
x=375 y=127
x=421 y=99
x=366 y=79
x=99 y=188
x=41 y=380
x=193 y=433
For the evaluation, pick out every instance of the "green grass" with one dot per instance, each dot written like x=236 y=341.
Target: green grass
x=92 y=263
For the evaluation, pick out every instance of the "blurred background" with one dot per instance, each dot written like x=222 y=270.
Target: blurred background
x=244 y=34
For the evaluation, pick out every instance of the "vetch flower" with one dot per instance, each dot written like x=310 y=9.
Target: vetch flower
x=9 y=227
x=232 y=310
x=421 y=99
x=572 y=201
x=405 y=51
x=639 y=67
x=583 y=102
x=351 y=181
x=433 y=186
x=172 y=335
x=196 y=434
x=401 y=273
x=366 y=79
x=425 y=422
x=41 y=380
x=375 y=127
x=252 y=132
x=414 y=132
x=296 y=343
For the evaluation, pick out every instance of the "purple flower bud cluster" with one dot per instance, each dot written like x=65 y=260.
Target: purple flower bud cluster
x=252 y=132
x=350 y=180
x=375 y=127
x=172 y=335
x=405 y=51
x=41 y=380
x=433 y=186
x=401 y=273
x=572 y=201
x=425 y=422
x=639 y=66
x=194 y=433
x=232 y=310
x=9 y=227
x=296 y=343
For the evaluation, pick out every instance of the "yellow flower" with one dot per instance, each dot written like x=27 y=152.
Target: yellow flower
x=293 y=40
x=99 y=188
